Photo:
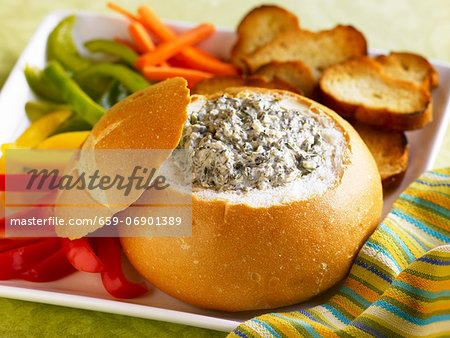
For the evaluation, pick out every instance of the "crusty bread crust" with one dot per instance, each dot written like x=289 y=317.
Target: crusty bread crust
x=260 y=26
x=220 y=83
x=410 y=67
x=293 y=72
x=243 y=258
x=360 y=89
x=390 y=150
x=158 y=110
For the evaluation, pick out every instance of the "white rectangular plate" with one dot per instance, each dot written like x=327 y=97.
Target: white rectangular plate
x=84 y=290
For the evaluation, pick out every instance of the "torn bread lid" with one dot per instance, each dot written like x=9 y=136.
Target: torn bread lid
x=151 y=119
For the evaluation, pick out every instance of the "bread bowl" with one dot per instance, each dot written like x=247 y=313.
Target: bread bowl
x=266 y=242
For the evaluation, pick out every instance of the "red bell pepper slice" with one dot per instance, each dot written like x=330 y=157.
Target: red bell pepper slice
x=52 y=268
x=81 y=255
x=14 y=262
x=19 y=182
x=42 y=209
x=9 y=244
x=114 y=280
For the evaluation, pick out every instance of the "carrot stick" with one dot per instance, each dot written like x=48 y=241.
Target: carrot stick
x=122 y=11
x=161 y=73
x=170 y=48
x=159 y=29
x=194 y=57
x=155 y=24
x=141 y=39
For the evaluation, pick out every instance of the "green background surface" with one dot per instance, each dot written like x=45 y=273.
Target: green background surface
x=398 y=25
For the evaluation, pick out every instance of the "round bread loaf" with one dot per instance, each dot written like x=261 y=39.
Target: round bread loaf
x=274 y=234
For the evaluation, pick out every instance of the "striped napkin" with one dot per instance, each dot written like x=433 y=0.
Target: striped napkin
x=399 y=284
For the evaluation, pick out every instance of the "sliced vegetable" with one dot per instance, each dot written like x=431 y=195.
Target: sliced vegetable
x=122 y=11
x=3 y=148
x=52 y=268
x=70 y=140
x=61 y=47
x=82 y=104
x=191 y=56
x=9 y=244
x=16 y=261
x=40 y=85
x=81 y=255
x=73 y=123
x=123 y=52
x=155 y=24
x=2 y=226
x=197 y=59
x=160 y=73
x=113 y=278
x=130 y=79
x=42 y=128
x=172 y=47
x=36 y=109
x=16 y=182
x=41 y=209
x=126 y=43
x=114 y=94
x=141 y=39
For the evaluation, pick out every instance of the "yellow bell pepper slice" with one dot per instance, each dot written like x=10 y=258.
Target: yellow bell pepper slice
x=42 y=128
x=3 y=147
x=69 y=140
x=58 y=159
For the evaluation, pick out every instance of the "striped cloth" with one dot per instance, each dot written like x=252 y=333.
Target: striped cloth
x=399 y=284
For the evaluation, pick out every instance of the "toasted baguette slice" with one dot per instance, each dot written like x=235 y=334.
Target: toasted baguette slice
x=276 y=83
x=390 y=150
x=220 y=83
x=360 y=89
x=217 y=83
x=294 y=72
x=259 y=27
x=317 y=50
x=410 y=67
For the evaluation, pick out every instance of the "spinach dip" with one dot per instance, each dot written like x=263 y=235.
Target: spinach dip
x=253 y=142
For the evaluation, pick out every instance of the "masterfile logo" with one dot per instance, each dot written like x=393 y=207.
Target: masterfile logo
x=112 y=192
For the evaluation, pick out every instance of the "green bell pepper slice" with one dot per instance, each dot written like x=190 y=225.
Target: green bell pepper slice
x=111 y=47
x=129 y=78
x=115 y=93
x=41 y=86
x=36 y=109
x=61 y=46
x=72 y=94
x=73 y=123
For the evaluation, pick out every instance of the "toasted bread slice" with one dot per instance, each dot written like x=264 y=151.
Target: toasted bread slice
x=220 y=83
x=317 y=50
x=390 y=150
x=360 y=89
x=260 y=26
x=410 y=67
x=275 y=83
x=294 y=72
x=217 y=83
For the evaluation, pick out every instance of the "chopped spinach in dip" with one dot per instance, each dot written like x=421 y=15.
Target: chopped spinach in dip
x=251 y=143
